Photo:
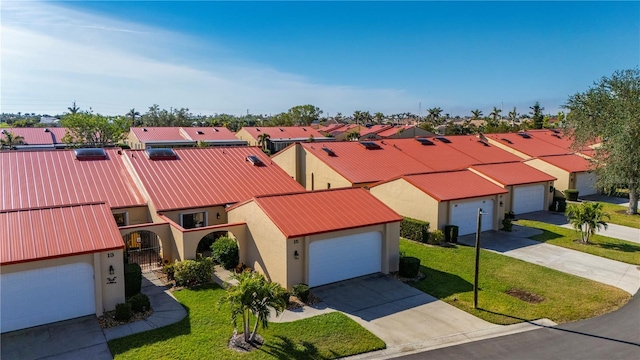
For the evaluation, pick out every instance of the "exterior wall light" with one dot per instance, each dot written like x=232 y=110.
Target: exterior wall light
x=501 y=203
x=296 y=255
x=111 y=270
x=217 y=215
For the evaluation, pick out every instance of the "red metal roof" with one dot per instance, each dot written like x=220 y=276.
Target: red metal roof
x=37 y=136
x=570 y=163
x=558 y=138
x=284 y=132
x=331 y=127
x=454 y=185
x=359 y=165
x=514 y=173
x=533 y=146
x=439 y=156
x=151 y=134
x=209 y=133
x=394 y=130
x=209 y=176
x=357 y=208
x=32 y=179
x=484 y=154
x=37 y=234
x=374 y=129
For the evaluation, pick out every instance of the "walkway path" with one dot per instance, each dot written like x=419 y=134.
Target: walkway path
x=517 y=245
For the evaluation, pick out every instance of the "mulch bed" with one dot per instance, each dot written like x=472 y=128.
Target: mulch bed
x=238 y=343
x=526 y=296
x=108 y=319
x=396 y=276
x=295 y=303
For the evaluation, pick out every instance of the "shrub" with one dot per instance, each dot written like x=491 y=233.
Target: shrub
x=139 y=302
x=510 y=215
x=132 y=279
x=169 y=269
x=301 y=291
x=559 y=204
x=416 y=230
x=123 y=312
x=192 y=272
x=436 y=237
x=507 y=224
x=409 y=266
x=225 y=252
x=451 y=233
x=571 y=194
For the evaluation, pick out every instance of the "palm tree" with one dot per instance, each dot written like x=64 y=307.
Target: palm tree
x=263 y=140
x=434 y=114
x=10 y=140
x=74 y=109
x=477 y=114
x=133 y=114
x=254 y=295
x=513 y=116
x=587 y=218
x=379 y=117
x=353 y=136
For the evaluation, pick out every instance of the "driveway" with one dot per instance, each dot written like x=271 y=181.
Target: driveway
x=397 y=313
x=516 y=244
x=79 y=338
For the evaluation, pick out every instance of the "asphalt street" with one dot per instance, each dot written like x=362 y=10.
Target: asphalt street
x=611 y=336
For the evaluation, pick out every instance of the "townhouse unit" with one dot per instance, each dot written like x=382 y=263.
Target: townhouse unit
x=276 y=138
x=37 y=138
x=177 y=137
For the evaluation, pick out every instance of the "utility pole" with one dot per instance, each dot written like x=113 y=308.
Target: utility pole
x=475 y=282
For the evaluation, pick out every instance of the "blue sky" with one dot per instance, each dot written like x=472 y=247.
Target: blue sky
x=215 y=57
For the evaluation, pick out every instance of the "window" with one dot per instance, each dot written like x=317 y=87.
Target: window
x=122 y=219
x=193 y=220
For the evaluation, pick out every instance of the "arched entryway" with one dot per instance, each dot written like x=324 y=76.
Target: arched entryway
x=204 y=246
x=143 y=248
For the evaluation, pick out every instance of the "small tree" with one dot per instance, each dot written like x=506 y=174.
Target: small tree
x=587 y=218
x=10 y=140
x=254 y=295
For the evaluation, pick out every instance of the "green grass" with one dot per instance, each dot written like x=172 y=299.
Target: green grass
x=599 y=245
x=204 y=334
x=619 y=215
x=450 y=275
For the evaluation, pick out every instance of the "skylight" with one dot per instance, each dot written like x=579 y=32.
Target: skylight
x=443 y=139
x=370 y=145
x=161 y=154
x=254 y=160
x=328 y=151
x=424 y=141
x=90 y=154
x=524 y=135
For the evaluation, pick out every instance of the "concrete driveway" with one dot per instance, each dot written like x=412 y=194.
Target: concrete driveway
x=80 y=338
x=397 y=313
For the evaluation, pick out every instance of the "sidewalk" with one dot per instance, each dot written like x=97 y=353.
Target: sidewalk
x=166 y=310
x=613 y=230
x=517 y=245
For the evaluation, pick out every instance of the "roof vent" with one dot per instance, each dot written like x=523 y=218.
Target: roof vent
x=90 y=154
x=524 y=135
x=254 y=160
x=424 y=141
x=215 y=129
x=280 y=129
x=161 y=154
x=370 y=145
x=47 y=130
x=483 y=142
x=144 y=129
x=556 y=135
x=257 y=129
x=328 y=151
x=200 y=132
x=443 y=139
x=507 y=140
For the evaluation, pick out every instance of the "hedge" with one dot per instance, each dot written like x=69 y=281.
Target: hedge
x=416 y=230
x=409 y=266
x=132 y=279
x=192 y=272
x=224 y=251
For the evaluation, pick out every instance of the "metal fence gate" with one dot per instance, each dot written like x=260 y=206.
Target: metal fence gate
x=143 y=248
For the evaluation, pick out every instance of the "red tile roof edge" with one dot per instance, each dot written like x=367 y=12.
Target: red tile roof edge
x=559 y=166
x=338 y=229
x=474 y=167
x=53 y=207
x=61 y=256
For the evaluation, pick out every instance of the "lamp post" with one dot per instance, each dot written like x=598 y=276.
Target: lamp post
x=475 y=282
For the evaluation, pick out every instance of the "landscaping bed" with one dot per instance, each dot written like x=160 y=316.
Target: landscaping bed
x=606 y=247
x=509 y=287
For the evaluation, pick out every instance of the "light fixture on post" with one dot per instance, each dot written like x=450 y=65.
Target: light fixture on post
x=111 y=270
x=217 y=215
x=296 y=255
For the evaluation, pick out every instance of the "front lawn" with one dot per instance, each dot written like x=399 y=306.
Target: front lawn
x=204 y=334
x=450 y=275
x=619 y=215
x=599 y=245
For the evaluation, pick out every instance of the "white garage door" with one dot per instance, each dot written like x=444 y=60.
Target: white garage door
x=41 y=296
x=528 y=198
x=344 y=258
x=465 y=216
x=586 y=183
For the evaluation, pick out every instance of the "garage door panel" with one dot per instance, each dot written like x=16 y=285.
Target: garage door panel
x=586 y=183
x=528 y=198
x=465 y=215
x=344 y=258
x=41 y=296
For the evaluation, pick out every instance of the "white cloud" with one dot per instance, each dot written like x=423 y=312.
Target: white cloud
x=53 y=55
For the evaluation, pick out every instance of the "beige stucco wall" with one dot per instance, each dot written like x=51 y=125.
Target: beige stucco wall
x=408 y=201
x=167 y=243
x=133 y=142
x=106 y=295
x=264 y=247
x=287 y=160
x=242 y=134
x=212 y=213
x=136 y=215
x=322 y=175
x=565 y=179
